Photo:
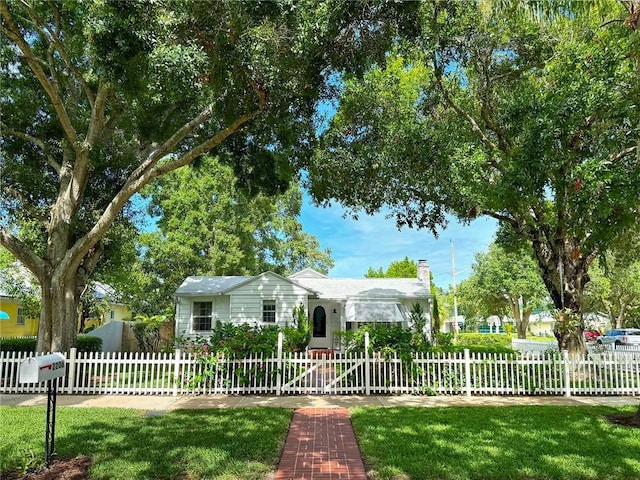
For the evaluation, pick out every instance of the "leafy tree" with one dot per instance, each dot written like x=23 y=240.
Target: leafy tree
x=404 y=268
x=534 y=124
x=101 y=98
x=208 y=226
x=477 y=304
x=371 y=273
x=506 y=281
x=614 y=288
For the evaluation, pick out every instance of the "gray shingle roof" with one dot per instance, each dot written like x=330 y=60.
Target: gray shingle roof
x=324 y=287
x=209 y=285
x=343 y=288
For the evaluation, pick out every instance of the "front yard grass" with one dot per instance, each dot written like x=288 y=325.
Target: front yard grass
x=454 y=443
x=498 y=443
x=229 y=444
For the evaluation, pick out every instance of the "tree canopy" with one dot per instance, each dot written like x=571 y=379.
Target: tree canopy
x=100 y=98
x=535 y=124
x=614 y=288
x=505 y=283
x=207 y=225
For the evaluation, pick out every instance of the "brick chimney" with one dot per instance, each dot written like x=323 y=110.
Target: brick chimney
x=423 y=273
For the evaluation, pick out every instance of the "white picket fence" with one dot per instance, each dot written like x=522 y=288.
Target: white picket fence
x=611 y=372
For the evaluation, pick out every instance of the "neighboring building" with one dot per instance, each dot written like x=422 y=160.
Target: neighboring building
x=333 y=304
x=541 y=322
x=17 y=325
x=114 y=308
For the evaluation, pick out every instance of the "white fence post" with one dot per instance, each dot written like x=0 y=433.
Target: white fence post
x=567 y=373
x=279 y=365
x=71 y=381
x=367 y=365
x=176 y=371
x=467 y=371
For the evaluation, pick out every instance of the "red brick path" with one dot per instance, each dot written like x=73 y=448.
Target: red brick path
x=321 y=445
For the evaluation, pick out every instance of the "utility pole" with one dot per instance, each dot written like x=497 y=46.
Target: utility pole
x=455 y=299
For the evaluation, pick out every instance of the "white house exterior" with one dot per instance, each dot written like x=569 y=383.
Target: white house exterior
x=333 y=304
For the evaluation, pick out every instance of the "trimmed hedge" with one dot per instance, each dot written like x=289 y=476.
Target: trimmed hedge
x=19 y=344
x=84 y=343
x=486 y=339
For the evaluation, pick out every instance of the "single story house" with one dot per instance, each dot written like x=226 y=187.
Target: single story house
x=332 y=304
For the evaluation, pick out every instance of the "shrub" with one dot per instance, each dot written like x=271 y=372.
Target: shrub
x=27 y=345
x=486 y=339
x=147 y=332
x=297 y=336
x=235 y=340
x=383 y=337
x=86 y=343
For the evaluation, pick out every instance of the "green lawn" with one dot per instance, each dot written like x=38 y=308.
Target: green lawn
x=227 y=444
x=456 y=443
x=498 y=443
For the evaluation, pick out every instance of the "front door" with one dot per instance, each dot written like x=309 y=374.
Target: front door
x=319 y=334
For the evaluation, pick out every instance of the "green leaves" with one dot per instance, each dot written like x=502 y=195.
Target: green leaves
x=209 y=225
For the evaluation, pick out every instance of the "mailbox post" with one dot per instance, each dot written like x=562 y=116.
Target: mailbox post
x=46 y=368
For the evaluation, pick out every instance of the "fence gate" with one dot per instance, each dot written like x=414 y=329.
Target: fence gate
x=323 y=374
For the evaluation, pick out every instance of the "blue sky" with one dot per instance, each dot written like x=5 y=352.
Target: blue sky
x=374 y=241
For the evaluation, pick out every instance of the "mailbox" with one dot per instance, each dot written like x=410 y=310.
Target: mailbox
x=41 y=369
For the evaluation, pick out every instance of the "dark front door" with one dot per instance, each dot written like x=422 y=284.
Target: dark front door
x=319 y=322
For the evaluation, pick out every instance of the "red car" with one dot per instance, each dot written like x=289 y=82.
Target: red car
x=590 y=334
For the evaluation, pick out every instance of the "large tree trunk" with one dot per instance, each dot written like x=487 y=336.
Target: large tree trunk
x=59 y=317
x=564 y=272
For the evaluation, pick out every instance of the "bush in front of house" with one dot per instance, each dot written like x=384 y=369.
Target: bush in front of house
x=86 y=343
x=298 y=335
x=19 y=344
x=234 y=340
x=383 y=337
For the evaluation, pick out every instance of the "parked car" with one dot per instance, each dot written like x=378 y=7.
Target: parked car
x=590 y=335
x=620 y=336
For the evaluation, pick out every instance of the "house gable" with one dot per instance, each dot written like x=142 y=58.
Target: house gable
x=307 y=273
x=266 y=299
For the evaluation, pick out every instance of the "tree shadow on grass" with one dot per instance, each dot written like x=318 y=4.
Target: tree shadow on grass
x=236 y=443
x=496 y=443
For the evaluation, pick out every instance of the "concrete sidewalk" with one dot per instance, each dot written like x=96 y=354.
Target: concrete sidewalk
x=157 y=402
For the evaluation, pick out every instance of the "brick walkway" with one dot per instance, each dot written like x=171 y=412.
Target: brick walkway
x=321 y=445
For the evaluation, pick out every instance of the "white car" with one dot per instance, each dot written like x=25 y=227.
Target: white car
x=620 y=336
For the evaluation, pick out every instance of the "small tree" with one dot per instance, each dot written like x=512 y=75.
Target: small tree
x=419 y=326
x=298 y=335
x=147 y=332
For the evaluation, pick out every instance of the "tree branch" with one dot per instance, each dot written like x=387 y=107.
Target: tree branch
x=620 y=155
x=149 y=170
x=37 y=141
x=168 y=146
x=464 y=115
x=23 y=253
x=67 y=60
x=13 y=32
x=96 y=122
x=26 y=205
x=500 y=217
